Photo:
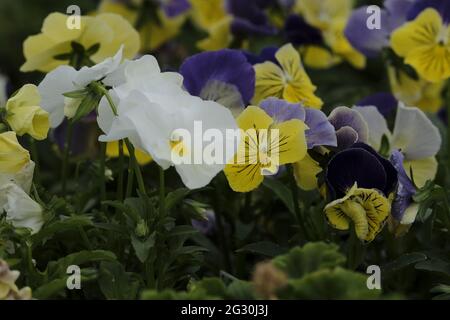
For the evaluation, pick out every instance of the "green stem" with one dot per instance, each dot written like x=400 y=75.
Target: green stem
x=66 y=154
x=137 y=169
x=295 y=203
x=162 y=193
x=121 y=172
x=130 y=180
x=35 y=157
x=102 y=173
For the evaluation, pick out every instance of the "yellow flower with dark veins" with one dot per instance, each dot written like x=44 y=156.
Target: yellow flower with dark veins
x=24 y=114
x=425 y=45
x=100 y=37
x=289 y=82
x=112 y=151
x=367 y=209
x=13 y=157
x=264 y=146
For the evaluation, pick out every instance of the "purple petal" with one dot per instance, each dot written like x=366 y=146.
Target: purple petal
x=173 y=8
x=266 y=54
x=321 y=132
x=346 y=117
x=442 y=6
x=368 y=42
x=405 y=188
x=354 y=165
x=226 y=66
x=249 y=17
x=346 y=137
x=385 y=102
x=298 y=32
x=398 y=12
x=207 y=226
x=282 y=111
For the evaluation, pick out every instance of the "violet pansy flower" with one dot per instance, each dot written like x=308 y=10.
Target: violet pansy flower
x=174 y=8
x=320 y=132
x=223 y=76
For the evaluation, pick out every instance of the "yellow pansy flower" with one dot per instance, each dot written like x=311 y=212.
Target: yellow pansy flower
x=289 y=82
x=112 y=151
x=153 y=34
x=211 y=16
x=24 y=114
x=425 y=45
x=420 y=93
x=13 y=157
x=322 y=14
x=53 y=46
x=366 y=208
x=265 y=145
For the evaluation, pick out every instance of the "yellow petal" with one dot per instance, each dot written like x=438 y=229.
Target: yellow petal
x=420 y=33
x=220 y=36
x=290 y=141
x=13 y=157
x=432 y=63
x=25 y=116
x=269 y=81
x=244 y=178
x=206 y=13
x=305 y=172
x=112 y=151
x=290 y=62
x=55 y=27
x=319 y=58
x=254 y=118
x=423 y=170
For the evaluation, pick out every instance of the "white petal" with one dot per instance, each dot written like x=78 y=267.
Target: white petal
x=414 y=134
x=23 y=178
x=21 y=210
x=88 y=74
x=51 y=89
x=377 y=125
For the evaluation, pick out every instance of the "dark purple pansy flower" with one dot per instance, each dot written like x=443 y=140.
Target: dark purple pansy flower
x=350 y=127
x=320 y=132
x=385 y=102
x=249 y=17
x=207 y=226
x=298 y=32
x=173 y=8
x=266 y=54
x=370 y=41
x=223 y=76
x=442 y=6
x=405 y=188
x=362 y=165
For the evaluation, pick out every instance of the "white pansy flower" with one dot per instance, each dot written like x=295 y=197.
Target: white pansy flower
x=21 y=210
x=414 y=135
x=23 y=178
x=66 y=79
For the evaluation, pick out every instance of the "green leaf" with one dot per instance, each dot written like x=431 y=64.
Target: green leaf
x=67 y=224
x=264 y=248
x=404 y=261
x=142 y=248
x=240 y=290
x=434 y=265
x=281 y=191
x=311 y=257
x=183 y=231
x=211 y=286
x=116 y=283
x=58 y=269
x=175 y=197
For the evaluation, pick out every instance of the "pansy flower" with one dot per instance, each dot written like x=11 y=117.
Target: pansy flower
x=385 y=102
x=265 y=145
x=417 y=138
x=421 y=93
x=266 y=54
x=112 y=151
x=97 y=38
x=371 y=41
x=288 y=81
x=360 y=180
x=331 y=16
x=223 y=76
x=350 y=127
x=424 y=43
x=249 y=17
x=156 y=31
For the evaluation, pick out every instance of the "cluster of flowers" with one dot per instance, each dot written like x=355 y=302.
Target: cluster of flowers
x=367 y=172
